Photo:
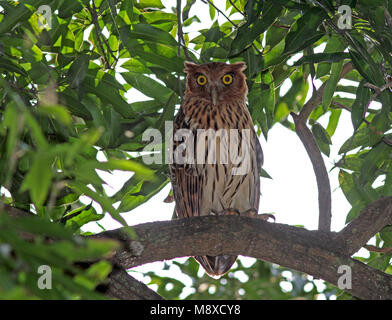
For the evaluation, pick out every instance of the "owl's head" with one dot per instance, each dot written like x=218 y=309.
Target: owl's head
x=216 y=81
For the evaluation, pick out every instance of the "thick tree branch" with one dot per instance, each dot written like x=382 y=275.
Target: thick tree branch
x=371 y=220
x=123 y=286
x=317 y=253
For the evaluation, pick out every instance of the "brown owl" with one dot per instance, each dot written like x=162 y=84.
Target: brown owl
x=220 y=175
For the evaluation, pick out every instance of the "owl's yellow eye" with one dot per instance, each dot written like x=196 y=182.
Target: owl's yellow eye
x=201 y=80
x=227 y=79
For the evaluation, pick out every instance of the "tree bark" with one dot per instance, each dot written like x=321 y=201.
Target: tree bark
x=317 y=253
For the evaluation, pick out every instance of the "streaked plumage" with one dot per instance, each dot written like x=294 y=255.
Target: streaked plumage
x=202 y=188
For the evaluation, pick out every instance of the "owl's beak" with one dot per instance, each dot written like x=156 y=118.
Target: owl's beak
x=214 y=95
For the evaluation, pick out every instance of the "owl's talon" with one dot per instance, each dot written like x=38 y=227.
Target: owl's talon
x=229 y=212
x=250 y=213
x=266 y=216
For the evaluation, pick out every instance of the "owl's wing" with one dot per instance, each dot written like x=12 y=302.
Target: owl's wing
x=185 y=179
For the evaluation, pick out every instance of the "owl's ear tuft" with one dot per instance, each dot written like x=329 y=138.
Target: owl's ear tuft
x=189 y=66
x=239 y=66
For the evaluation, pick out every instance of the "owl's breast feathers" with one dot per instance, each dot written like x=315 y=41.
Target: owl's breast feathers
x=206 y=188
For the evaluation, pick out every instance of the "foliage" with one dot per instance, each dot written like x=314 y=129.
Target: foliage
x=63 y=100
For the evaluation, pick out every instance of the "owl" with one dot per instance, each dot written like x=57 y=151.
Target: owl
x=218 y=176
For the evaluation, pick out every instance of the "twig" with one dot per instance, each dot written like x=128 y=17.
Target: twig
x=340 y=105
x=180 y=34
x=232 y=22
x=235 y=7
x=388 y=17
x=375 y=95
x=98 y=33
x=222 y=13
x=377 y=249
x=368 y=123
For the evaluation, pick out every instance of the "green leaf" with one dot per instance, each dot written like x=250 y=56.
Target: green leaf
x=265 y=174
x=358 y=196
x=361 y=138
x=81 y=216
x=212 y=10
x=78 y=70
x=332 y=82
x=147 y=86
x=304 y=31
x=126 y=165
x=148 y=33
x=322 y=57
x=246 y=34
x=39 y=177
x=58 y=112
x=373 y=161
x=386 y=236
x=252 y=10
x=380 y=263
x=334 y=45
x=139 y=191
x=358 y=107
x=167 y=113
x=173 y=63
x=104 y=201
x=150 y=4
x=322 y=138
x=19 y=13
x=333 y=121
x=40 y=227
x=367 y=68
x=9 y=65
x=11 y=120
x=106 y=90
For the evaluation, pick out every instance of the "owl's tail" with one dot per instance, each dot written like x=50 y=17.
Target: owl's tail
x=218 y=265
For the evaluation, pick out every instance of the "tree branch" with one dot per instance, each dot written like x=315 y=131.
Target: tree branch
x=368 y=123
x=371 y=220
x=317 y=253
x=228 y=19
x=98 y=33
x=375 y=95
x=180 y=34
x=123 y=286
x=307 y=139
x=322 y=179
